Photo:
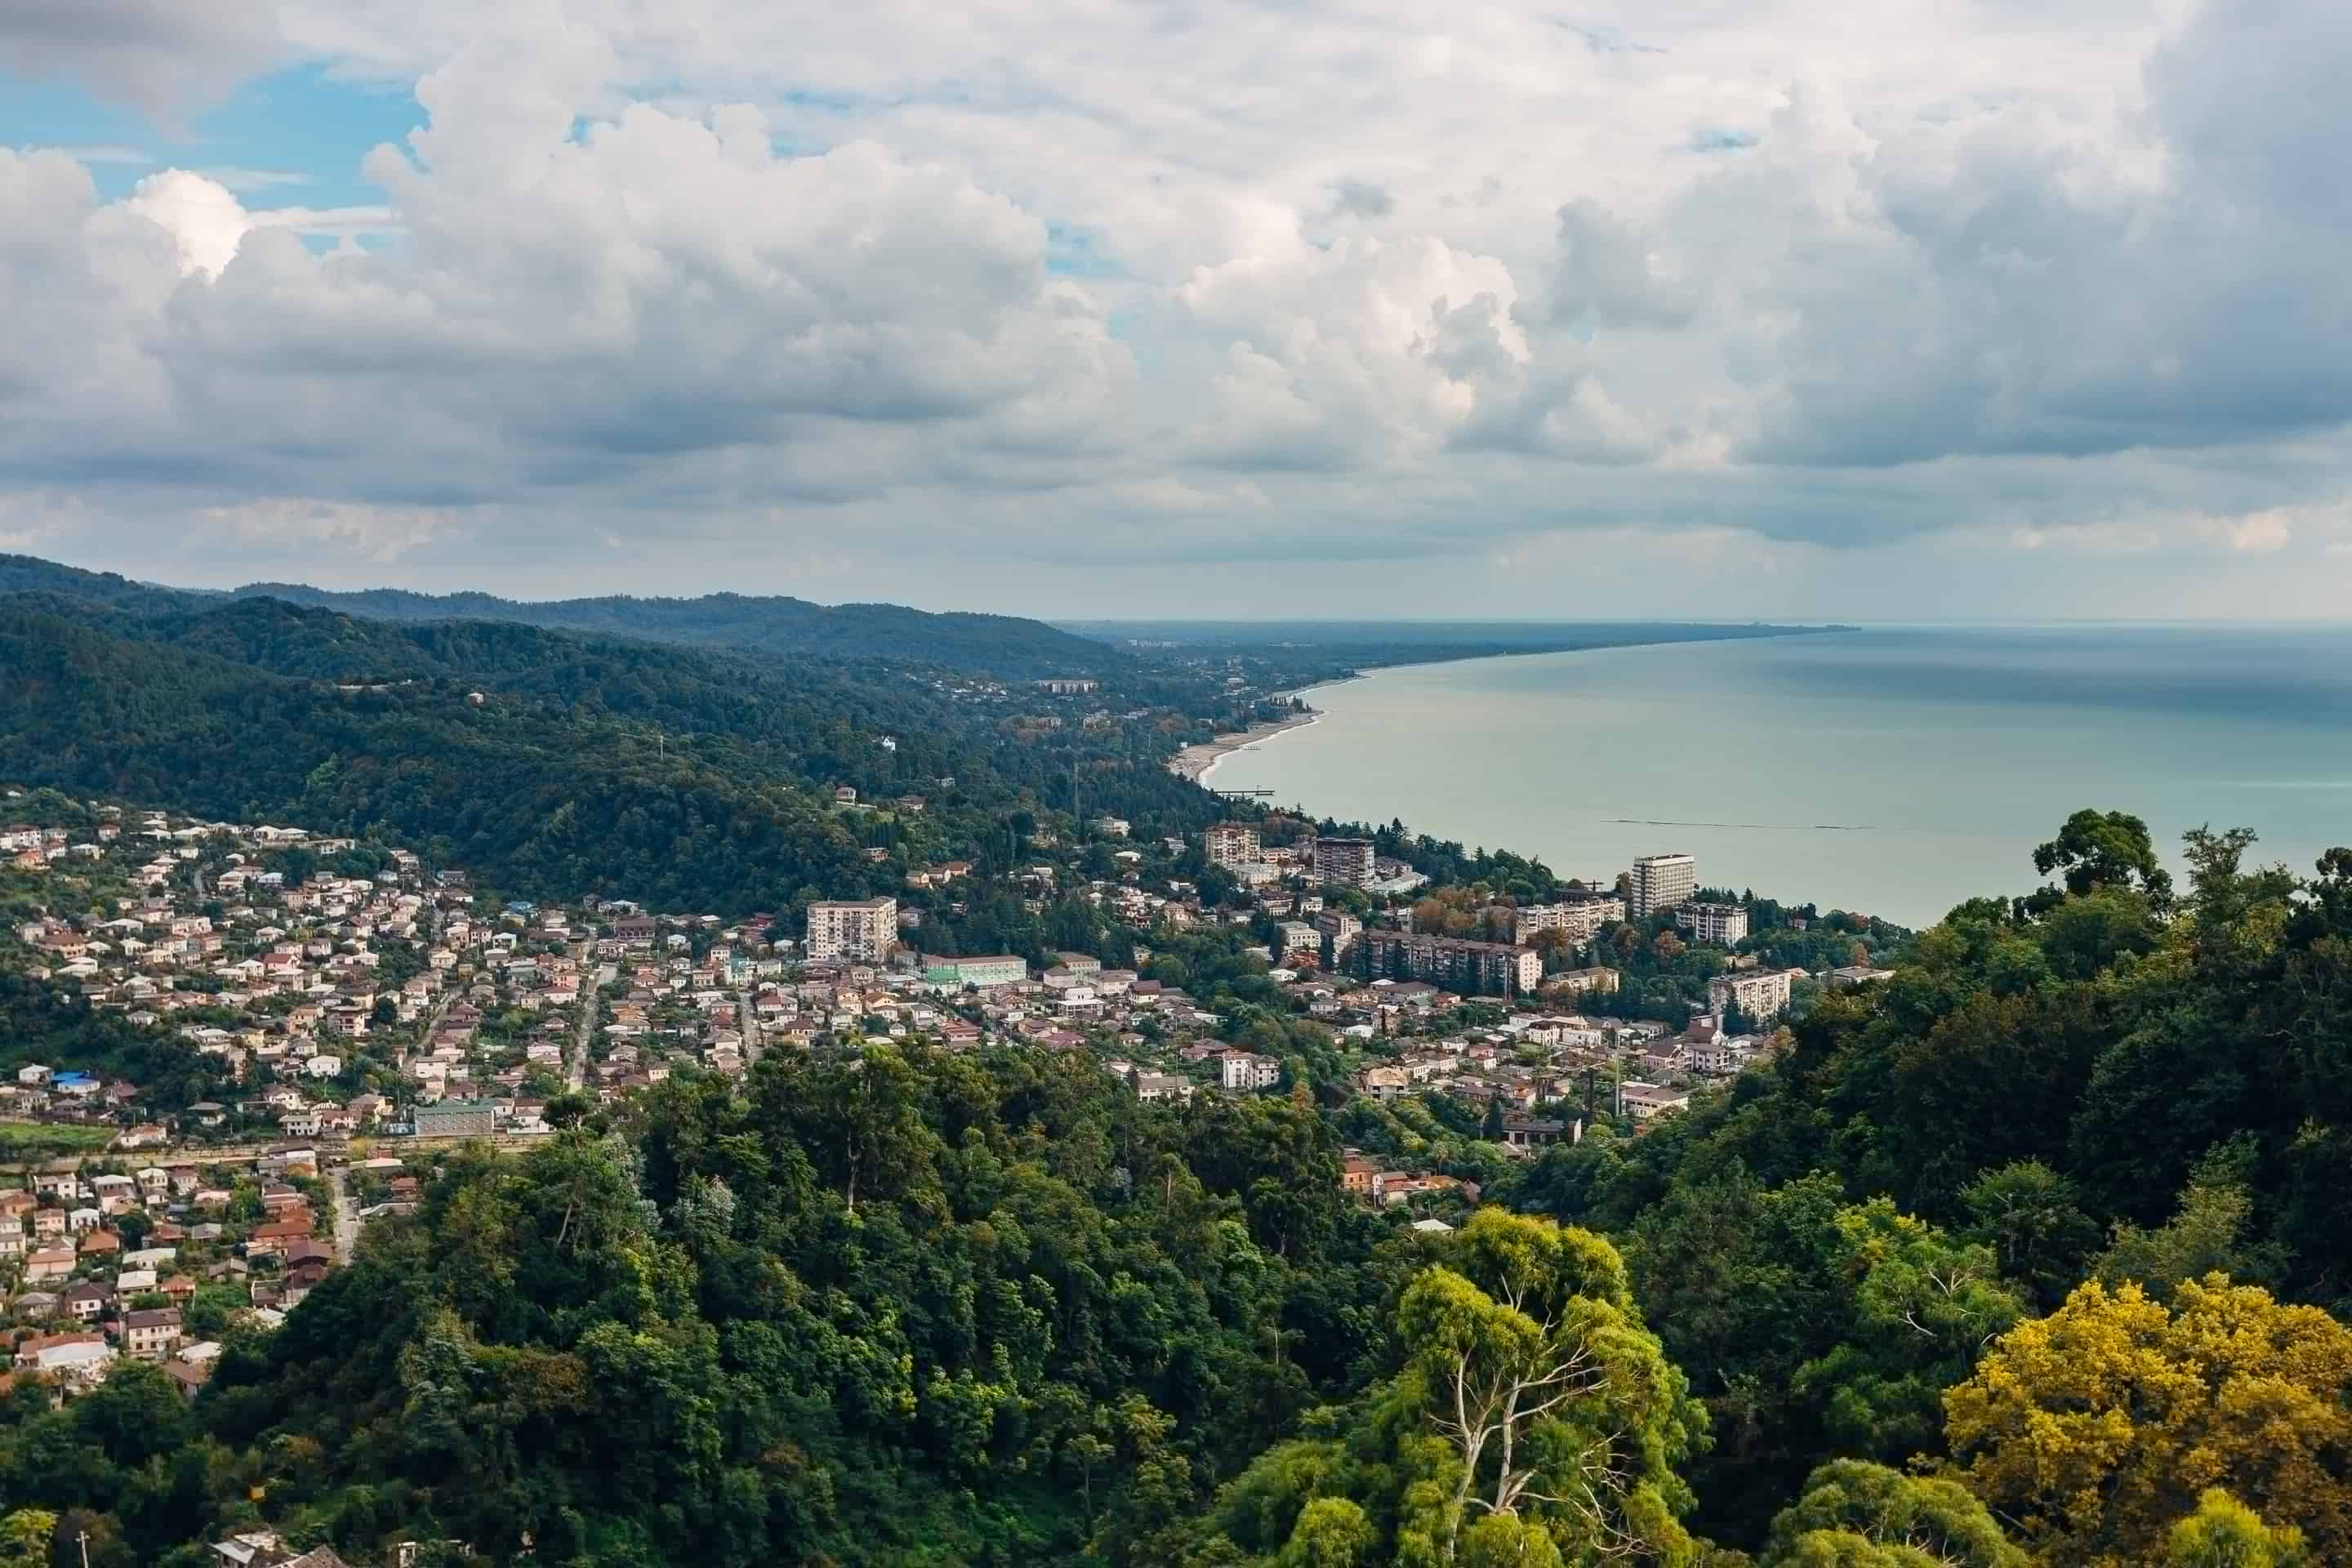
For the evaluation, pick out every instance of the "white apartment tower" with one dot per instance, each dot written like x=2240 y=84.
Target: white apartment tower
x=859 y=928
x=1660 y=882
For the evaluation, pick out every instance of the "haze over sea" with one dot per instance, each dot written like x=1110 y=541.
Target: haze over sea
x=1895 y=770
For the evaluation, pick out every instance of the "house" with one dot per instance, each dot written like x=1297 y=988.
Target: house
x=154 y=1334
x=85 y=1299
x=188 y=1377
x=253 y=1549
x=49 y=1263
x=1536 y=1132
x=1647 y=1101
x=78 y=1360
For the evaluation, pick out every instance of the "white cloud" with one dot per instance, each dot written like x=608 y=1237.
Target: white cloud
x=377 y=533
x=2257 y=533
x=1062 y=279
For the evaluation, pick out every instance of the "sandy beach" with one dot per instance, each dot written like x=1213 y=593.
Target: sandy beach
x=1195 y=762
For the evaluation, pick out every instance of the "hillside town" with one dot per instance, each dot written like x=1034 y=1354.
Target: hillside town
x=292 y=1014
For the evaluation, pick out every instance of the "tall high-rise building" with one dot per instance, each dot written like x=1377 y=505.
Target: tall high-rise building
x=1232 y=843
x=1347 y=861
x=861 y=928
x=1660 y=882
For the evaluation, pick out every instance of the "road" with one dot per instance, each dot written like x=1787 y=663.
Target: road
x=347 y=1217
x=747 y=1019
x=592 y=1000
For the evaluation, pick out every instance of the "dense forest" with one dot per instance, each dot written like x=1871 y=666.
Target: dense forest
x=999 y=645
x=682 y=777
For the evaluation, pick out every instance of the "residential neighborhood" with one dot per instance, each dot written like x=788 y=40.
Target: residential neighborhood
x=302 y=1026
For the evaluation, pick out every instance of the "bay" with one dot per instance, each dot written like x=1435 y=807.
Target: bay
x=1895 y=770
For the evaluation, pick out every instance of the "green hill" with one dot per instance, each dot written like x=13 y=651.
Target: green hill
x=1003 y=645
x=686 y=776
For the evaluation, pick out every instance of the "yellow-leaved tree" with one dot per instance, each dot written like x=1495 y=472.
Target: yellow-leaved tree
x=2097 y=1429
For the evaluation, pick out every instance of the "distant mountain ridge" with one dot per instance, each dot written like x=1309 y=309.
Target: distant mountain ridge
x=1006 y=646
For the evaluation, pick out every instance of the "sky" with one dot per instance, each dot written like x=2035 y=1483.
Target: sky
x=1231 y=308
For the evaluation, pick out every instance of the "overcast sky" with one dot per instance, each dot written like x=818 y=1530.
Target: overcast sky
x=1925 y=308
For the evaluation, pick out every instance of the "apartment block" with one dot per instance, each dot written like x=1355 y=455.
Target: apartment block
x=859 y=928
x=1759 y=993
x=1231 y=844
x=1337 y=928
x=1000 y=969
x=1494 y=968
x=1579 y=918
x=1660 y=882
x=1244 y=1071
x=1347 y=861
x=1717 y=925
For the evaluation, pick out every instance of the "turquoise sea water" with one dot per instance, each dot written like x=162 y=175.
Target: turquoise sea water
x=1895 y=769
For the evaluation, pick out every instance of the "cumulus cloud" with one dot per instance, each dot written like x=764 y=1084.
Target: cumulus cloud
x=1349 y=274
x=566 y=305
x=1357 y=352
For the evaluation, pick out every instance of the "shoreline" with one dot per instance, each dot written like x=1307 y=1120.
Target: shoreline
x=1196 y=761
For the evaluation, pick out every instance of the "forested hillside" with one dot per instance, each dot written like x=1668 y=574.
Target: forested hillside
x=691 y=777
x=1006 y=646
x=2105 y=1089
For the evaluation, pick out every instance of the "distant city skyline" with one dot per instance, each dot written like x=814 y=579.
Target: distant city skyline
x=1242 y=309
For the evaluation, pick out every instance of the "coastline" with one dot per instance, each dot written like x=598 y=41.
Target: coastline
x=1196 y=761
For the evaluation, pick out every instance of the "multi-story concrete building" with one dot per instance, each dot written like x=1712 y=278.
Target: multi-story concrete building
x=1579 y=918
x=1230 y=843
x=1492 y=967
x=1347 y=861
x=1717 y=925
x=1242 y=1071
x=855 y=928
x=1648 y=1102
x=1598 y=980
x=1760 y=993
x=1337 y=928
x=1002 y=969
x=1660 y=882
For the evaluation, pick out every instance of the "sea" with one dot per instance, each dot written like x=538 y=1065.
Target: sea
x=1891 y=770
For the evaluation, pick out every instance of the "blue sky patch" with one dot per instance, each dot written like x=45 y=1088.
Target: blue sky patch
x=294 y=138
